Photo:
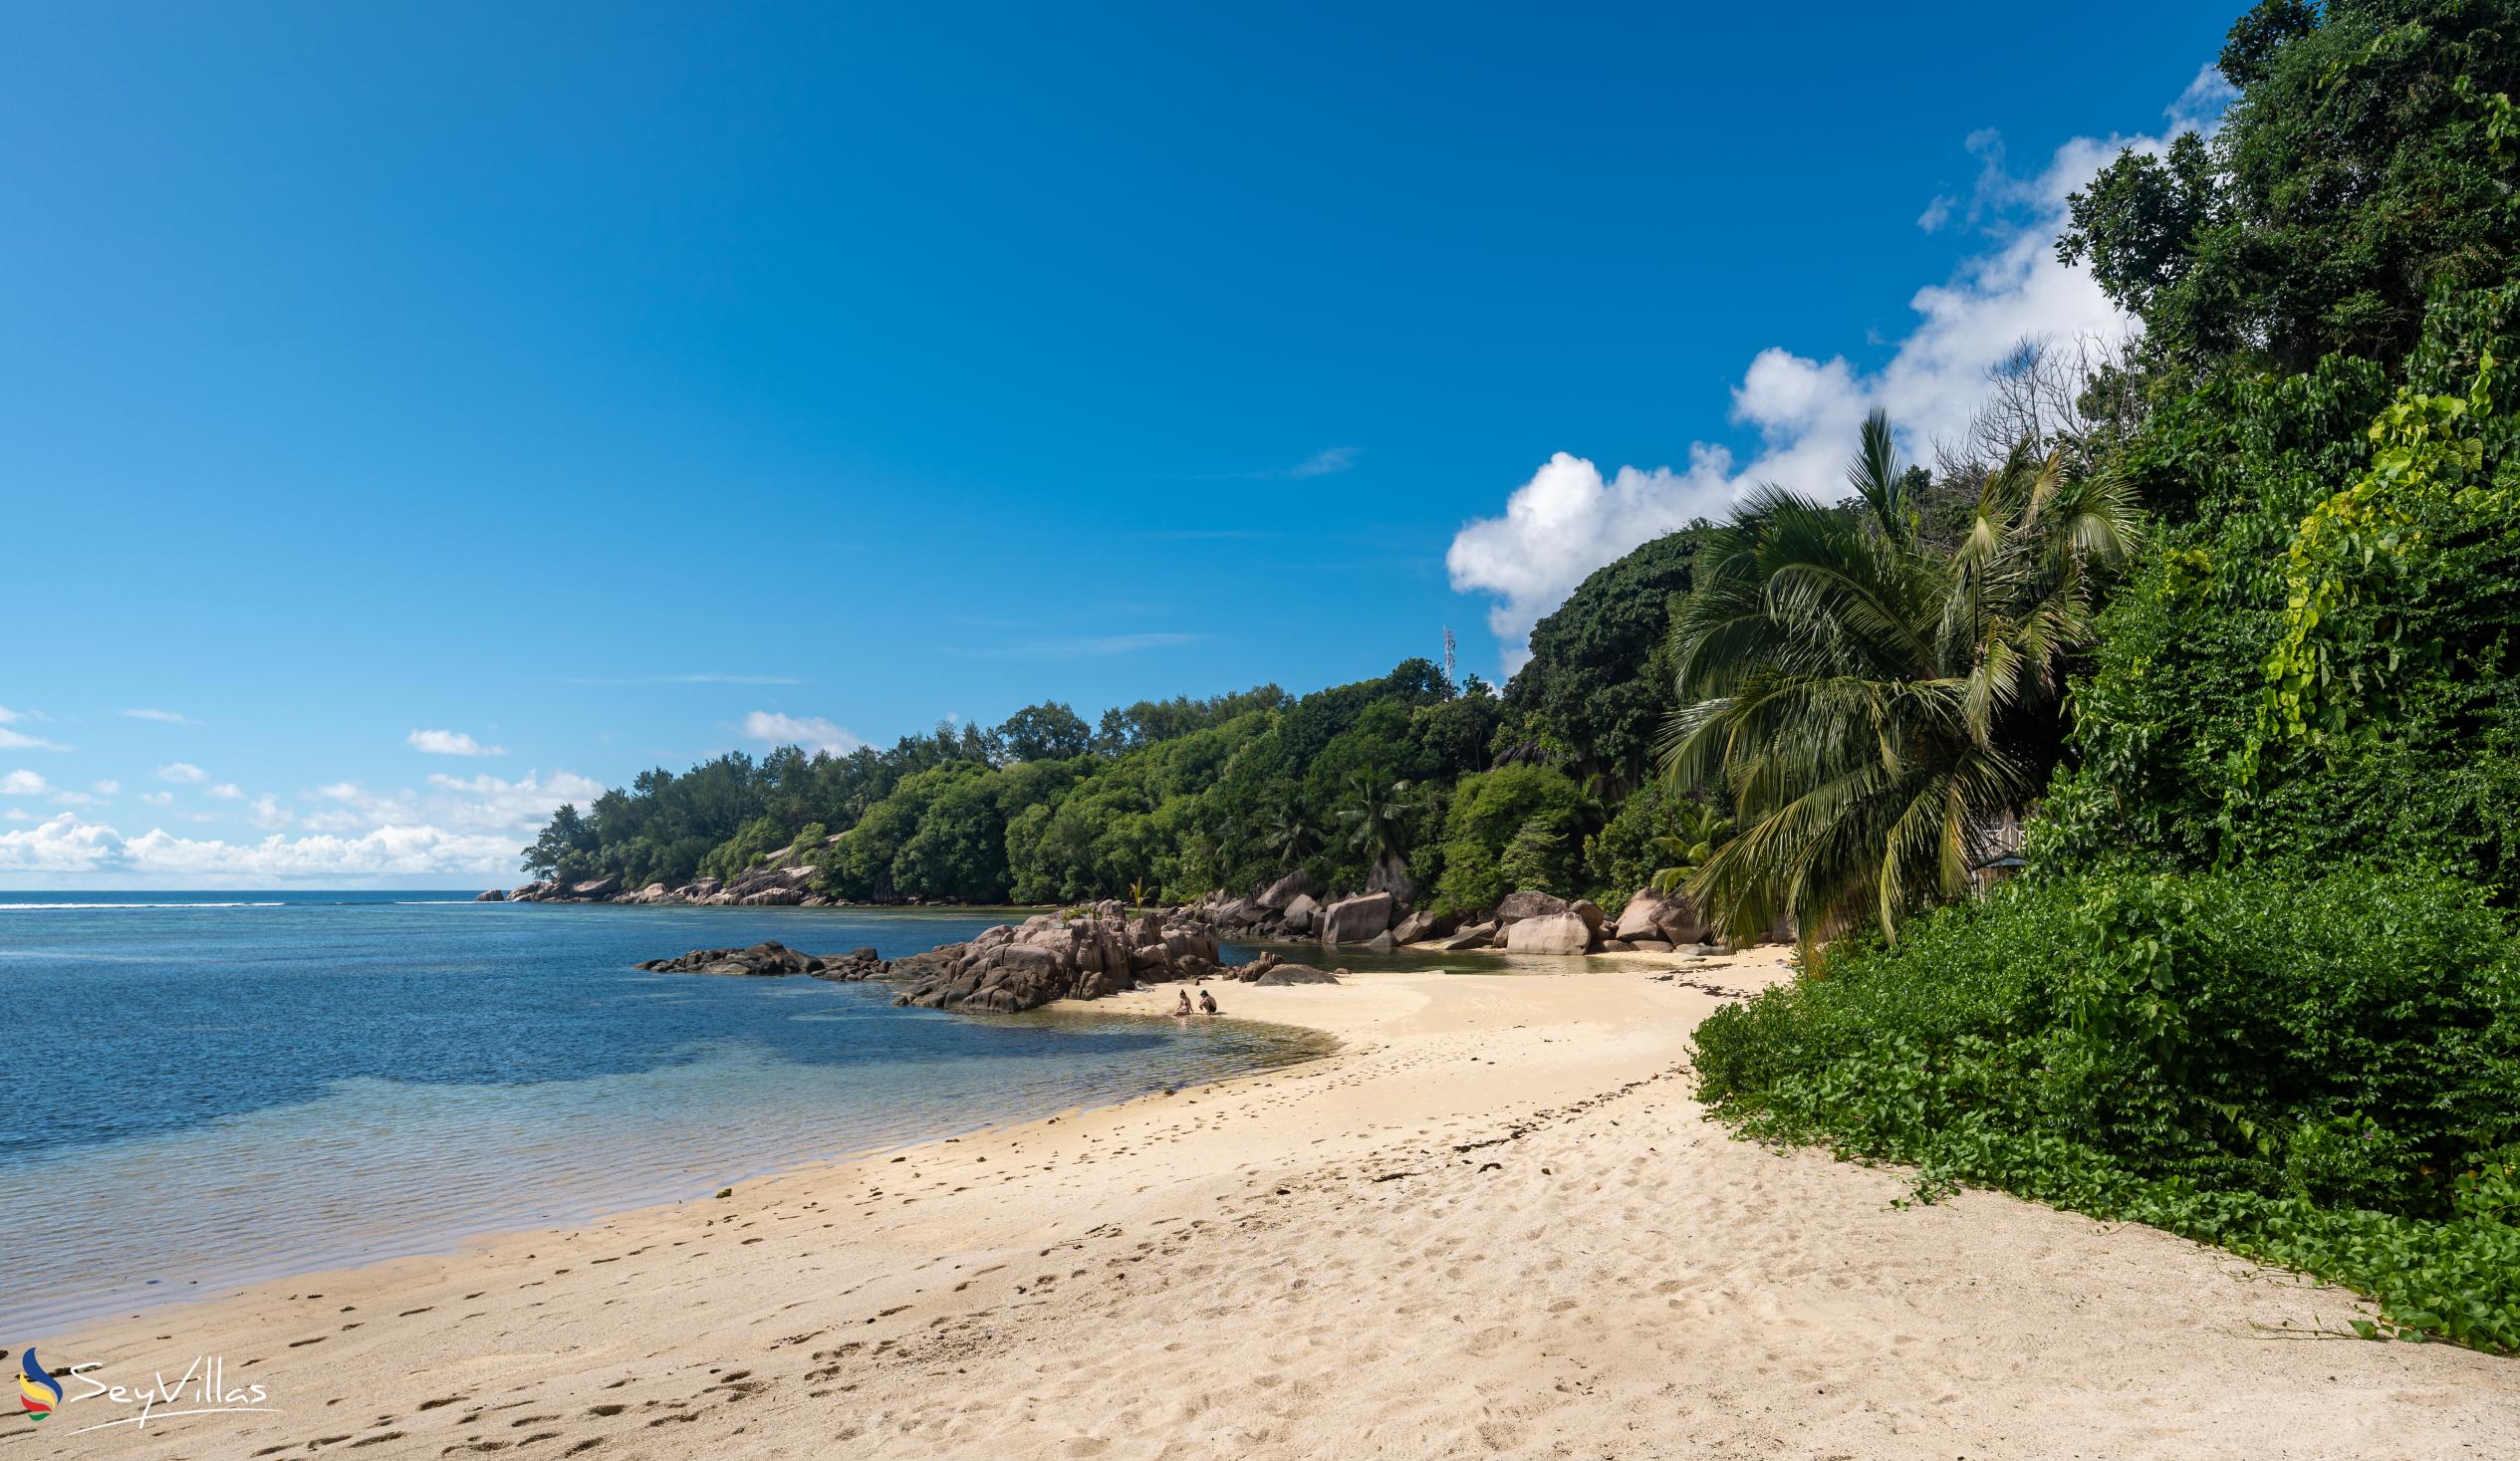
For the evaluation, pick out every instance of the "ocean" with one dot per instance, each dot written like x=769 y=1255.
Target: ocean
x=207 y=1088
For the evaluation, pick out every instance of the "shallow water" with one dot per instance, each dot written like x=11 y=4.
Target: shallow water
x=204 y=1090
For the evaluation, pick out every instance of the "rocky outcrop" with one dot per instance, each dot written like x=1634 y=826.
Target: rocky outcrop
x=1390 y=876
x=1281 y=894
x=1301 y=915
x=1021 y=966
x=493 y=895
x=1424 y=927
x=1477 y=936
x=768 y=959
x=1650 y=915
x=758 y=887
x=1295 y=974
x=1550 y=934
x=1528 y=903
x=1354 y=920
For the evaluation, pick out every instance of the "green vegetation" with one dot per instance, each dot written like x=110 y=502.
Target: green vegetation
x=1872 y=702
x=2258 y=982
x=1358 y=783
x=2320 y=1074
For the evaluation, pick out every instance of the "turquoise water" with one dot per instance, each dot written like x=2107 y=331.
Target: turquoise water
x=208 y=1089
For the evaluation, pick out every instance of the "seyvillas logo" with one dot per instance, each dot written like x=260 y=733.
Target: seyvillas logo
x=204 y=1389
x=39 y=1394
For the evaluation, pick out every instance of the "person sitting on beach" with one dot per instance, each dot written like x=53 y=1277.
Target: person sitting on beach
x=1208 y=1003
x=1183 y=1008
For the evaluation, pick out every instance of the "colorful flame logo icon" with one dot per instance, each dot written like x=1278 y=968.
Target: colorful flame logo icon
x=37 y=1391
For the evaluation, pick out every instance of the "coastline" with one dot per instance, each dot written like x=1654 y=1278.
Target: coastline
x=1492 y=1221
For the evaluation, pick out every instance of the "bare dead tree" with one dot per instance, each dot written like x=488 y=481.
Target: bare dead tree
x=2047 y=396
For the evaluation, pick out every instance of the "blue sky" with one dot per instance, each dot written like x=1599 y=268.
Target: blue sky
x=612 y=385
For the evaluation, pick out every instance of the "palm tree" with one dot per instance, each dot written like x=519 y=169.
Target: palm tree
x=1374 y=810
x=1703 y=830
x=1871 y=704
x=1289 y=835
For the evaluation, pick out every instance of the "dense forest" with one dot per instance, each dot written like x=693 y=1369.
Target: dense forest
x=2211 y=636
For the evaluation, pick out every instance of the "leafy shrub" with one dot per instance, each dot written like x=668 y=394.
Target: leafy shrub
x=1537 y=857
x=2321 y=1072
x=1487 y=811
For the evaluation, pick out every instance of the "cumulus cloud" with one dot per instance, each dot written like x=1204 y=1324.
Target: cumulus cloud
x=458 y=828
x=163 y=717
x=182 y=772
x=451 y=743
x=1566 y=521
x=485 y=802
x=109 y=788
x=1570 y=518
x=22 y=784
x=68 y=844
x=228 y=791
x=158 y=799
x=812 y=732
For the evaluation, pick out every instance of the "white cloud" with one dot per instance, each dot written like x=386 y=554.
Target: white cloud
x=520 y=805
x=1325 y=463
x=20 y=741
x=341 y=790
x=228 y=791
x=61 y=844
x=73 y=799
x=2200 y=107
x=16 y=814
x=1569 y=520
x=8 y=716
x=452 y=743
x=163 y=717
x=811 y=732
x=67 y=845
x=183 y=772
x=158 y=799
x=109 y=788
x=462 y=830
x=22 y=784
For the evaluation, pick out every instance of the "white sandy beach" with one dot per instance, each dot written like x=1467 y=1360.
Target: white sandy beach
x=1495 y=1223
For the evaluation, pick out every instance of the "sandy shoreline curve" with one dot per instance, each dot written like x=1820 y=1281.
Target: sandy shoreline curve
x=1493 y=1223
